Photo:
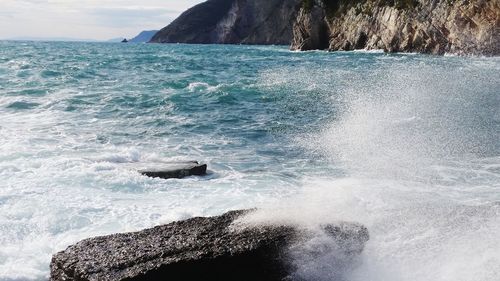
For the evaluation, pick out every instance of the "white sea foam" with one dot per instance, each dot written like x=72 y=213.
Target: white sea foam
x=371 y=51
x=202 y=87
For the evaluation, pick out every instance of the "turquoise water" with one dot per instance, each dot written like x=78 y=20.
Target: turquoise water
x=405 y=144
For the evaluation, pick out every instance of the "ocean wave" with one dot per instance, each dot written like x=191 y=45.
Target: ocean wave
x=406 y=145
x=202 y=87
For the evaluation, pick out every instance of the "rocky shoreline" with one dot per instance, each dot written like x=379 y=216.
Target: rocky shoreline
x=423 y=26
x=213 y=248
x=463 y=27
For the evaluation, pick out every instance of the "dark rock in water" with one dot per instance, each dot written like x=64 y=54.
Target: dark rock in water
x=175 y=170
x=124 y=40
x=194 y=249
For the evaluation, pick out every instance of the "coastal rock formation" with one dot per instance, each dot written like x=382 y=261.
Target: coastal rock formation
x=423 y=26
x=233 y=22
x=175 y=170
x=310 y=30
x=197 y=249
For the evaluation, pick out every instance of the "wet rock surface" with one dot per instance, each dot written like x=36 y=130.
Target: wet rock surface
x=198 y=249
x=176 y=170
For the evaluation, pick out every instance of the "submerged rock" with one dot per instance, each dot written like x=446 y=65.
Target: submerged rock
x=175 y=170
x=196 y=249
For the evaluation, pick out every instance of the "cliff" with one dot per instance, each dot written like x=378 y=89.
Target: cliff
x=423 y=26
x=233 y=22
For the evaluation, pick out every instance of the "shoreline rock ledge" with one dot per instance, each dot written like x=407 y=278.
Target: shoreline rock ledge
x=199 y=249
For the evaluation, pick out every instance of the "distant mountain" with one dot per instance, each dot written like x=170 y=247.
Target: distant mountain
x=143 y=37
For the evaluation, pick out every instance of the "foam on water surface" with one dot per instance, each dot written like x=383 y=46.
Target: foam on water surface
x=405 y=144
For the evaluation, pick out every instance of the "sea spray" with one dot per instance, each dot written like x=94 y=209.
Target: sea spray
x=418 y=147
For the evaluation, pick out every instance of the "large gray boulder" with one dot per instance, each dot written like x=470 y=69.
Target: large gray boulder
x=198 y=249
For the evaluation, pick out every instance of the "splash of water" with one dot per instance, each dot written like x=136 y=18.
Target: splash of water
x=418 y=146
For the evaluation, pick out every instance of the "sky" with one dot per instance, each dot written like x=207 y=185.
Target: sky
x=86 y=19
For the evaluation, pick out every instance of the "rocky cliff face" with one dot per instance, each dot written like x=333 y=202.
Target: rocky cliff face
x=424 y=26
x=233 y=22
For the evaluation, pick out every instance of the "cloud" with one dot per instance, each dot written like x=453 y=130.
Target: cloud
x=131 y=16
x=7 y=15
x=100 y=19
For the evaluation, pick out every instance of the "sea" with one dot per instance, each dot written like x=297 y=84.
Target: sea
x=406 y=144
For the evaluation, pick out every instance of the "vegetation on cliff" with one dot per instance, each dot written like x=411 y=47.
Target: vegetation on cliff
x=337 y=7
